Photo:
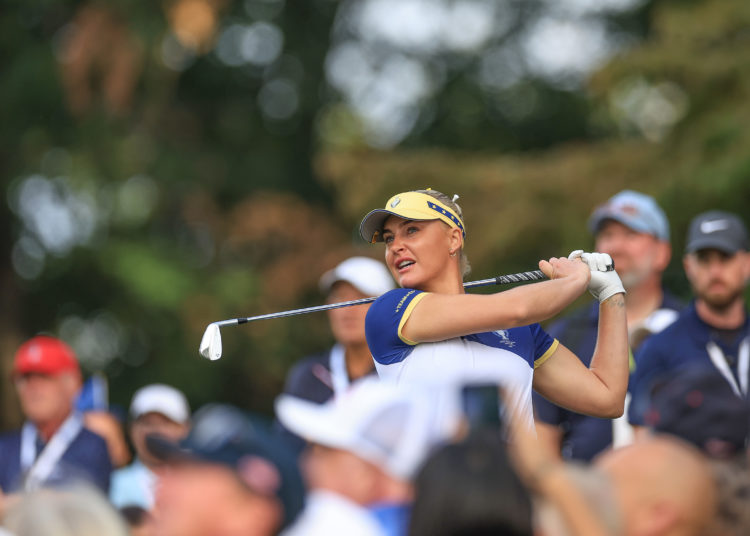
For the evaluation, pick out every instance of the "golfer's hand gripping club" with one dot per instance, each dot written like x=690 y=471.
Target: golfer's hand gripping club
x=604 y=281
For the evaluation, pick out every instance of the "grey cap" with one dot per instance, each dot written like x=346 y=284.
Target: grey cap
x=717 y=230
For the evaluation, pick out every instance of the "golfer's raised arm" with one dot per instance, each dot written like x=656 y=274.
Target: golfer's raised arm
x=600 y=389
x=443 y=316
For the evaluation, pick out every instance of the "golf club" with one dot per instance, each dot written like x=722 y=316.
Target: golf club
x=210 y=347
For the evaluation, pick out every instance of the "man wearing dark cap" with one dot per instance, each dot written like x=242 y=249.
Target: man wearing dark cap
x=714 y=331
x=53 y=447
x=633 y=229
x=229 y=477
x=697 y=405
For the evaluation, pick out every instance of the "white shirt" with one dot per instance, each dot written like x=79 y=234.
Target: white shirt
x=328 y=514
x=506 y=357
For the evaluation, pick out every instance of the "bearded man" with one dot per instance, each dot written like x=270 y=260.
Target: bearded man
x=714 y=330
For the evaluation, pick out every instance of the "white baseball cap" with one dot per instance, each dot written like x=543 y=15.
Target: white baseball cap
x=163 y=399
x=387 y=425
x=367 y=275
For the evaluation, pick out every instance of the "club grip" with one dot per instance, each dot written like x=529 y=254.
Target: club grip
x=535 y=275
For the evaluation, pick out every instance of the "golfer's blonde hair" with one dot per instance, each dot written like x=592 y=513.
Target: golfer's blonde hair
x=450 y=203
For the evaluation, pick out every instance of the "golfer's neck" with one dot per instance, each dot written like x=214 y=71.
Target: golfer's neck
x=448 y=282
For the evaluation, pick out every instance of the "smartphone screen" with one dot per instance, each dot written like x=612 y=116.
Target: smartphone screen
x=482 y=405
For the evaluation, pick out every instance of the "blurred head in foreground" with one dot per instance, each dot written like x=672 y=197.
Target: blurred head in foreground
x=663 y=486
x=230 y=476
x=698 y=405
x=73 y=511
x=470 y=488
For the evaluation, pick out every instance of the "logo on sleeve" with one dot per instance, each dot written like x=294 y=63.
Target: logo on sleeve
x=400 y=304
x=504 y=338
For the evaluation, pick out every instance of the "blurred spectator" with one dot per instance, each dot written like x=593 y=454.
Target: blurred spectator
x=70 y=511
x=663 y=487
x=596 y=491
x=568 y=499
x=714 y=331
x=229 y=477
x=470 y=488
x=365 y=448
x=155 y=409
x=53 y=447
x=698 y=406
x=321 y=376
x=633 y=229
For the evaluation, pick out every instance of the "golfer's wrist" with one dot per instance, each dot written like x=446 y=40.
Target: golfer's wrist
x=613 y=295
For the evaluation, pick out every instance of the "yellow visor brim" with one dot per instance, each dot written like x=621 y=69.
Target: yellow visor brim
x=410 y=206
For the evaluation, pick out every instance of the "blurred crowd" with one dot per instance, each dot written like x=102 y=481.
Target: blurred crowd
x=350 y=453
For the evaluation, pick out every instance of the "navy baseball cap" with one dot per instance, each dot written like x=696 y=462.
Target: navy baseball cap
x=717 y=230
x=225 y=435
x=699 y=406
x=639 y=212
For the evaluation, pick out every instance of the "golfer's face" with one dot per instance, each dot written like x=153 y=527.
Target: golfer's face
x=416 y=252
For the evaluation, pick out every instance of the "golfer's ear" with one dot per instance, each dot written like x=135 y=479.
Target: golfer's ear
x=456 y=239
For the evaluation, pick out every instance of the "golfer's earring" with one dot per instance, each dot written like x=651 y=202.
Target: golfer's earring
x=453 y=253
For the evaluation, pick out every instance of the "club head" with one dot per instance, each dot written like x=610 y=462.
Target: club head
x=211 y=343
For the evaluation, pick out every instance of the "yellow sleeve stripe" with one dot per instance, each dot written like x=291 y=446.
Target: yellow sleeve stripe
x=407 y=314
x=551 y=350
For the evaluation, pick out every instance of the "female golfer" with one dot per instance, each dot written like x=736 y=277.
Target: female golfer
x=431 y=329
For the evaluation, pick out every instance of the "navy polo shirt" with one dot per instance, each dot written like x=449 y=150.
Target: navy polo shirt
x=86 y=459
x=682 y=343
x=583 y=437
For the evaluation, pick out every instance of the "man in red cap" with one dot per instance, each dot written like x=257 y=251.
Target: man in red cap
x=53 y=447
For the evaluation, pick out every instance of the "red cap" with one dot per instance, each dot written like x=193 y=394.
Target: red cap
x=44 y=355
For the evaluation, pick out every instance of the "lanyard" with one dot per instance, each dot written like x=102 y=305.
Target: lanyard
x=743 y=365
x=37 y=472
x=339 y=376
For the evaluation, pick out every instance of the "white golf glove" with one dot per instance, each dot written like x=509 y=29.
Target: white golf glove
x=604 y=281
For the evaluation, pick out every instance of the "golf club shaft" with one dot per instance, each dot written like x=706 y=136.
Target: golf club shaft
x=520 y=277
